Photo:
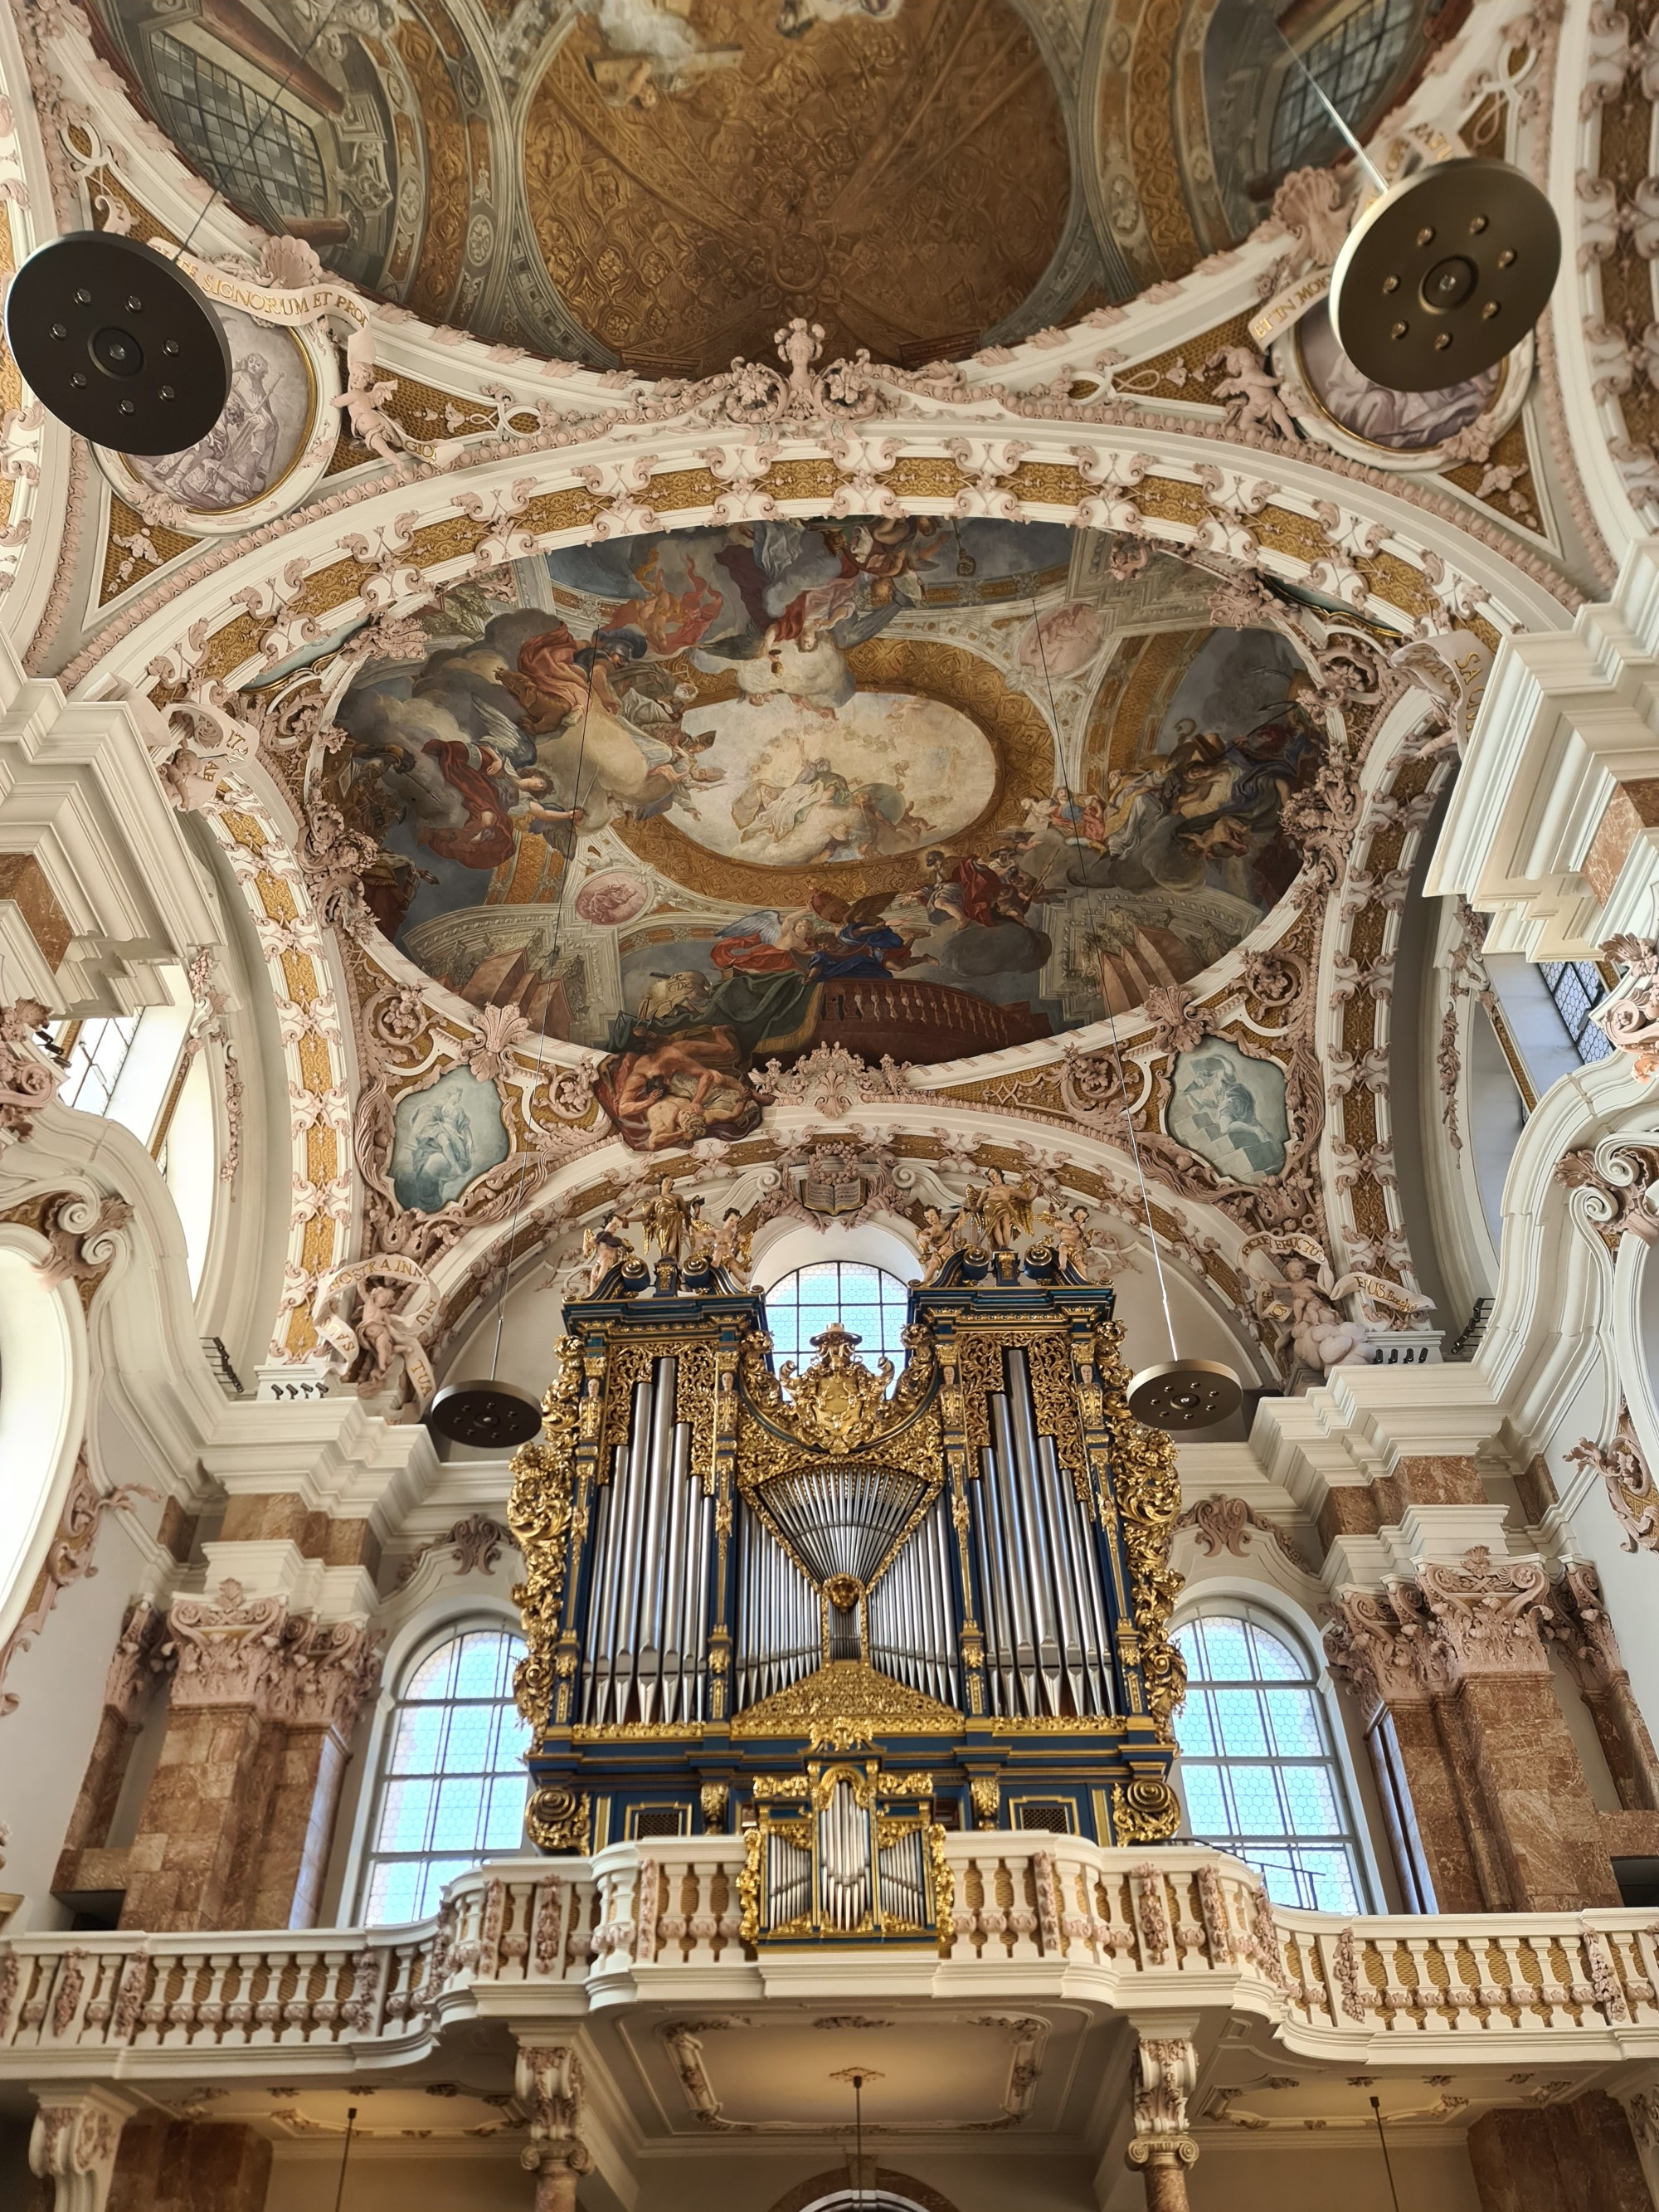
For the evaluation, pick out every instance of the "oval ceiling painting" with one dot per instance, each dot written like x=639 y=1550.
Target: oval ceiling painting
x=708 y=799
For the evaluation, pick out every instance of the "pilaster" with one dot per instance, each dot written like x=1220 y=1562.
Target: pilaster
x=551 y=2088
x=1458 y=1663
x=235 y=1827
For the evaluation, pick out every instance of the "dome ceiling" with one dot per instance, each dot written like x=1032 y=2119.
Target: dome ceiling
x=663 y=183
x=818 y=795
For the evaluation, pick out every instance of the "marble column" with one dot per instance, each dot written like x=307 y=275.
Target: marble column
x=549 y=2086
x=1385 y=1650
x=1557 y=2158
x=235 y=1830
x=73 y=2144
x=1166 y=2074
x=183 y=2166
x=128 y=1687
x=1552 y=1855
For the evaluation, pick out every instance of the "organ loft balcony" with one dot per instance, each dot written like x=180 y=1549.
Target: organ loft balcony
x=850 y=1689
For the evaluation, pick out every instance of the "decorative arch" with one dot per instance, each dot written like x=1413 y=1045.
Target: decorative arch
x=830 y=2192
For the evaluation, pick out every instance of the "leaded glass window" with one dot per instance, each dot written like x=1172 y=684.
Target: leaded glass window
x=255 y=152
x=452 y=1778
x=1353 y=63
x=1258 y=1769
x=1576 y=986
x=868 y=1300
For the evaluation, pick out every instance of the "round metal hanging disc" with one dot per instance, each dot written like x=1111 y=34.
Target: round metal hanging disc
x=488 y=1415
x=1185 y=1394
x=1444 y=274
x=117 y=342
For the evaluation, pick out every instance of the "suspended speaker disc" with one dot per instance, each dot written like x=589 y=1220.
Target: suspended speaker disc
x=1444 y=274
x=488 y=1415
x=1185 y=1394
x=117 y=342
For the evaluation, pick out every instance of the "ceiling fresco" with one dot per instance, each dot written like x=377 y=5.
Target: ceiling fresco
x=663 y=184
x=705 y=799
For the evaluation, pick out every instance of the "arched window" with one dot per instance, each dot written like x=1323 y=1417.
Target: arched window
x=1258 y=1769
x=867 y=1300
x=453 y=1782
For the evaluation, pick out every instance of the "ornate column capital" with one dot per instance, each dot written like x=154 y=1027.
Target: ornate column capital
x=1579 y=1625
x=227 y=1647
x=73 y=2143
x=238 y=1650
x=326 y=1672
x=549 y=2086
x=1491 y=1612
x=1386 y=1647
x=1165 y=2076
x=137 y=1659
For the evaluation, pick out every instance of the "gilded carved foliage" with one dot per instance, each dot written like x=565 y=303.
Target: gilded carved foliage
x=838 y=1404
x=1146 y=1486
x=539 y=1512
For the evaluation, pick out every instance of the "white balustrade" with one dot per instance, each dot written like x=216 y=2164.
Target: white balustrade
x=1179 y=1927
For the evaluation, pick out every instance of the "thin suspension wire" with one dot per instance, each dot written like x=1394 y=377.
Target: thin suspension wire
x=547 y=1008
x=858 y=2128
x=257 y=126
x=1387 y=2163
x=1111 y=1023
x=351 y=2121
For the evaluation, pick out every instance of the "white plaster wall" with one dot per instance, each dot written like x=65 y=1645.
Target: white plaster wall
x=47 y=1741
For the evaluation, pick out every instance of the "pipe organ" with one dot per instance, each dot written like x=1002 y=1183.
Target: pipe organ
x=842 y=1609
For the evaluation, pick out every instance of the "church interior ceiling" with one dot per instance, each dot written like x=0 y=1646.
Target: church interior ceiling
x=704 y=800
x=661 y=183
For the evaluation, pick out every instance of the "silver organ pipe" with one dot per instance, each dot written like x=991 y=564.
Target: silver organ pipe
x=646 y=1656
x=910 y=1614
x=1049 y=1646
x=1016 y=1555
x=780 y=1616
x=1081 y=1562
x=999 y=1626
x=901 y=1879
x=844 y=1867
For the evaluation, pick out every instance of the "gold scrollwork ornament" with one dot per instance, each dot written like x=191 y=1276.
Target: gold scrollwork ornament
x=1144 y=1812
x=558 y=1818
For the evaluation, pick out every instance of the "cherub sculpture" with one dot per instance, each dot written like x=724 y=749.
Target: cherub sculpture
x=936 y=1240
x=363 y=401
x=1296 y=1302
x=1250 y=391
x=732 y=1242
x=1082 y=1254
x=604 y=1248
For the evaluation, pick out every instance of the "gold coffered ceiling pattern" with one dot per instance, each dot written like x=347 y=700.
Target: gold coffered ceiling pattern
x=907 y=180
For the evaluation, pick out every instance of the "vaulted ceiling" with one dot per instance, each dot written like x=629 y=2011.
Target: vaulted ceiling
x=662 y=183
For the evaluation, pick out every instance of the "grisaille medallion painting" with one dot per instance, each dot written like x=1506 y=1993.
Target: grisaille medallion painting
x=704 y=799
